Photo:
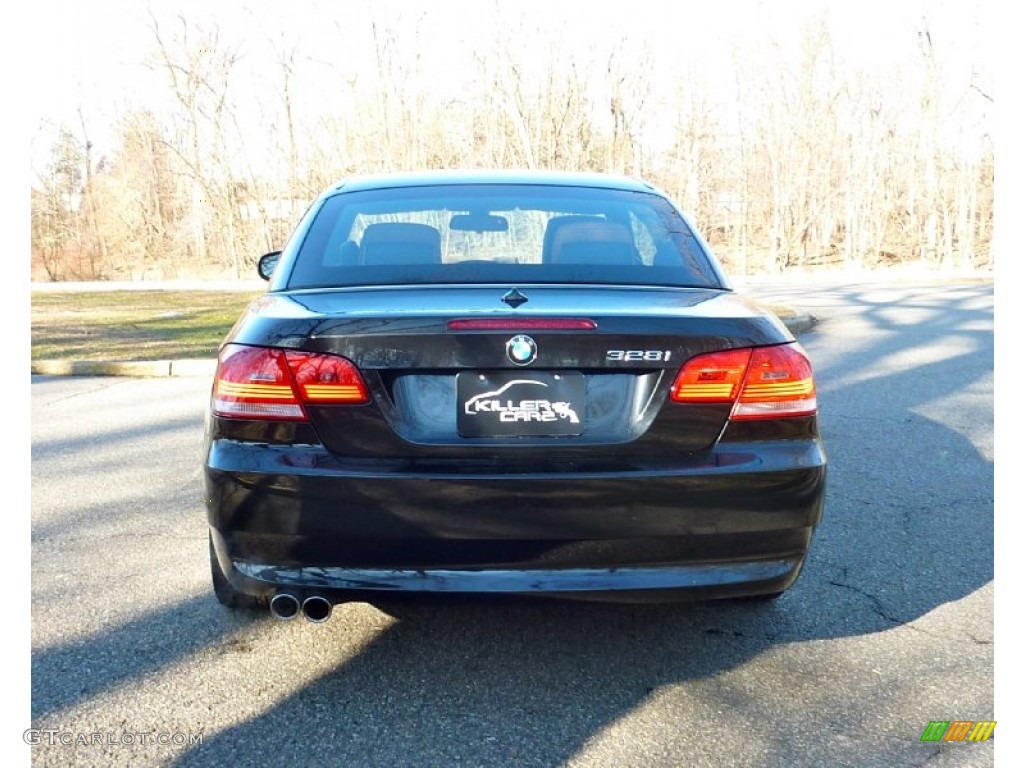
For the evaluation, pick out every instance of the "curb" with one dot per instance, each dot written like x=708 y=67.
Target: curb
x=136 y=369
x=798 y=323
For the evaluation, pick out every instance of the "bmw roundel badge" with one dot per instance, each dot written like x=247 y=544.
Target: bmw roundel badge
x=521 y=350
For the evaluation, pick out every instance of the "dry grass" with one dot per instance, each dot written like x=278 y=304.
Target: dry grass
x=133 y=325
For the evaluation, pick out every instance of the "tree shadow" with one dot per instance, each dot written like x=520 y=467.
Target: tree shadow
x=82 y=669
x=908 y=529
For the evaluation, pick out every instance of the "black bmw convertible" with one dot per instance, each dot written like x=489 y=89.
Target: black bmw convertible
x=506 y=384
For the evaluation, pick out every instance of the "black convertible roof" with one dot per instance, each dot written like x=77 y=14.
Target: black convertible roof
x=550 y=178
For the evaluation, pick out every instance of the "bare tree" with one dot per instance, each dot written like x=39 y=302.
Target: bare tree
x=816 y=160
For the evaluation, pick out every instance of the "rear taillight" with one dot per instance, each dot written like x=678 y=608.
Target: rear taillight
x=714 y=378
x=259 y=383
x=762 y=383
x=327 y=379
x=255 y=383
x=779 y=383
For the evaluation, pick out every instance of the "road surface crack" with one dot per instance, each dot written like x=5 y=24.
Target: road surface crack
x=83 y=392
x=879 y=608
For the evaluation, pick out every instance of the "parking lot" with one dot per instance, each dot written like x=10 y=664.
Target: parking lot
x=889 y=628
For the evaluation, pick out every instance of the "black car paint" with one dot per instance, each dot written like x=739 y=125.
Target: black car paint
x=675 y=500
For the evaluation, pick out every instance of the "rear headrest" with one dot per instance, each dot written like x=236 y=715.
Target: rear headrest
x=589 y=240
x=401 y=243
x=347 y=255
x=555 y=225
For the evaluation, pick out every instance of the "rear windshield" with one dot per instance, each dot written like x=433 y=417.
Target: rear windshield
x=499 y=233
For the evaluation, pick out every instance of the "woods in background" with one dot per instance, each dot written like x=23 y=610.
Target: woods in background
x=792 y=156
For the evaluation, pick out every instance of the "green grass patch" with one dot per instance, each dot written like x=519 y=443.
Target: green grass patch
x=133 y=325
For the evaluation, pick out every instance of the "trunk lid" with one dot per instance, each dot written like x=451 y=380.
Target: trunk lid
x=440 y=390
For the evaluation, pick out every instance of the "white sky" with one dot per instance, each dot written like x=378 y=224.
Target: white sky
x=90 y=56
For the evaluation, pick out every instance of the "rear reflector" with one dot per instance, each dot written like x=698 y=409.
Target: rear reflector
x=259 y=383
x=763 y=383
x=522 y=324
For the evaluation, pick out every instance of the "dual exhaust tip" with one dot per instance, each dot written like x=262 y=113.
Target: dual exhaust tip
x=285 y=606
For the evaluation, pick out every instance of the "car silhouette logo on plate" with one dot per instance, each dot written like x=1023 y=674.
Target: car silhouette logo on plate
x=521 y=350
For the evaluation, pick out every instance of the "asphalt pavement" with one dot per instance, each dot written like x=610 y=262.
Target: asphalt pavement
x=889 y=627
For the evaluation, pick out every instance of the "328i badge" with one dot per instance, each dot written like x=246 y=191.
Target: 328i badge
x=506 y=383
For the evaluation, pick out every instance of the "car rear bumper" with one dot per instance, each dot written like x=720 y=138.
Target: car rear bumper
x=736 y=521
x=706 y=580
